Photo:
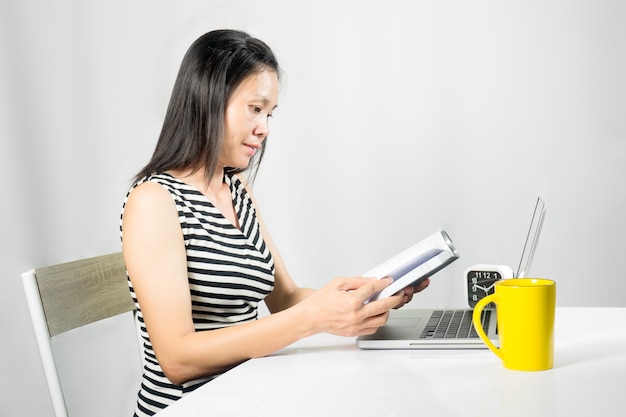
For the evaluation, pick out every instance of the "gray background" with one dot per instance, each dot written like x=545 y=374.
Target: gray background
x=396 y=118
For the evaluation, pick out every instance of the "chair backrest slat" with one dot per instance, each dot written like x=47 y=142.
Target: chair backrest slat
x=81 y=292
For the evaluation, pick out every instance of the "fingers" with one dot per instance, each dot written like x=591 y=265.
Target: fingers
x=356 y=283
x=370 y=287
x=409 y=292
x=422 y=285
x=365 y=318
x=350 y=283
x=383 y=305
x=372 y=324
x=352 y=316
x=362 y=287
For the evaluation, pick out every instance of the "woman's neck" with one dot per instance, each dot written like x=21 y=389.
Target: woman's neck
x=198 y=179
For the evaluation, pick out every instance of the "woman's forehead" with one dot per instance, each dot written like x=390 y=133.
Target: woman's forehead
x=262 y=86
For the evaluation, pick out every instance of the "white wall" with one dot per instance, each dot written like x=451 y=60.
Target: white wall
x=396 y=118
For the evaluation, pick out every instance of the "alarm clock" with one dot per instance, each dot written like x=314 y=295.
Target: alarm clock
x=481 y=279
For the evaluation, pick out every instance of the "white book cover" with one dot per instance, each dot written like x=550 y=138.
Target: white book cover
x=415 y=263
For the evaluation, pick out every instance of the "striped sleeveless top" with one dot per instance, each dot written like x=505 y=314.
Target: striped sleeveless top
x=230 y=270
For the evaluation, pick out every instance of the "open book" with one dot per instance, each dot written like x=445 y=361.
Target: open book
x=415 y=264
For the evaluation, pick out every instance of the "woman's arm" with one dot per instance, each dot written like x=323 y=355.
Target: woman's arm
x=155 y=257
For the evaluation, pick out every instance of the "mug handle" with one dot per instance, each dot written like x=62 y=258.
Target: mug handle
x=479 y=327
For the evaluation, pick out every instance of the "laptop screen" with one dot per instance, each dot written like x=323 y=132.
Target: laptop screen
x=531 y=239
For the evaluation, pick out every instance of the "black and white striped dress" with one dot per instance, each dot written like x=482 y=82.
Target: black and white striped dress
x=230 y=270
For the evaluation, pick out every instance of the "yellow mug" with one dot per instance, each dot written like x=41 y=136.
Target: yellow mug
x=525 y=315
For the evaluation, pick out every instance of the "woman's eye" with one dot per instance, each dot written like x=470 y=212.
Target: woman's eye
x=259 y=110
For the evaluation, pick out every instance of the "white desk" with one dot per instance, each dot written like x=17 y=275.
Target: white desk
x=329 y=376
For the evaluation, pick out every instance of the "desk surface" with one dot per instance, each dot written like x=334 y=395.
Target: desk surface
x=329 y=376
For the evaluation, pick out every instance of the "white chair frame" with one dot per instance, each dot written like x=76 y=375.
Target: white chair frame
x=69 y=295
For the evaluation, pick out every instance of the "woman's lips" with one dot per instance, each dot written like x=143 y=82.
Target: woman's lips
x=252 y=147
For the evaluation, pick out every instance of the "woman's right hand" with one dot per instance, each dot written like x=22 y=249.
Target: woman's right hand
x=339 y=307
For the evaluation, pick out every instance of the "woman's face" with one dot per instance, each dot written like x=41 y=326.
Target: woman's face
x=246 y=123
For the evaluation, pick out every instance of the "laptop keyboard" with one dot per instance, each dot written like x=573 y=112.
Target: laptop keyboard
x=453 y=324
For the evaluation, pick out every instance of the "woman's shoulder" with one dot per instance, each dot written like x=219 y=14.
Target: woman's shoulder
x=165 y=179
x=156 y=182
x=148 y=192
x=148 y=203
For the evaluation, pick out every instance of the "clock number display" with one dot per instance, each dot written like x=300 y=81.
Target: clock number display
x=480 y=284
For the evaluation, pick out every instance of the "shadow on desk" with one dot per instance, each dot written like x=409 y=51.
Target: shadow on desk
x=345 y=345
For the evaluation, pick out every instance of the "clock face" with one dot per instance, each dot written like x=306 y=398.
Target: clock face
x=481 y=283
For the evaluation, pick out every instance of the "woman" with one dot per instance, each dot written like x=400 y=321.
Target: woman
x=197 y=252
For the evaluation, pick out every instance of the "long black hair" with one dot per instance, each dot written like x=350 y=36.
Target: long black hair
x=193 y=129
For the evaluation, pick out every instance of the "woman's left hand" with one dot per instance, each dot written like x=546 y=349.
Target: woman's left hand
x=410 y=290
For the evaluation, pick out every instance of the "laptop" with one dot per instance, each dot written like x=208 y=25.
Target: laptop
x=449 y=328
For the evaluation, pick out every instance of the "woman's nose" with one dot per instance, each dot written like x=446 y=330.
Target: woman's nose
x=262 y=128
